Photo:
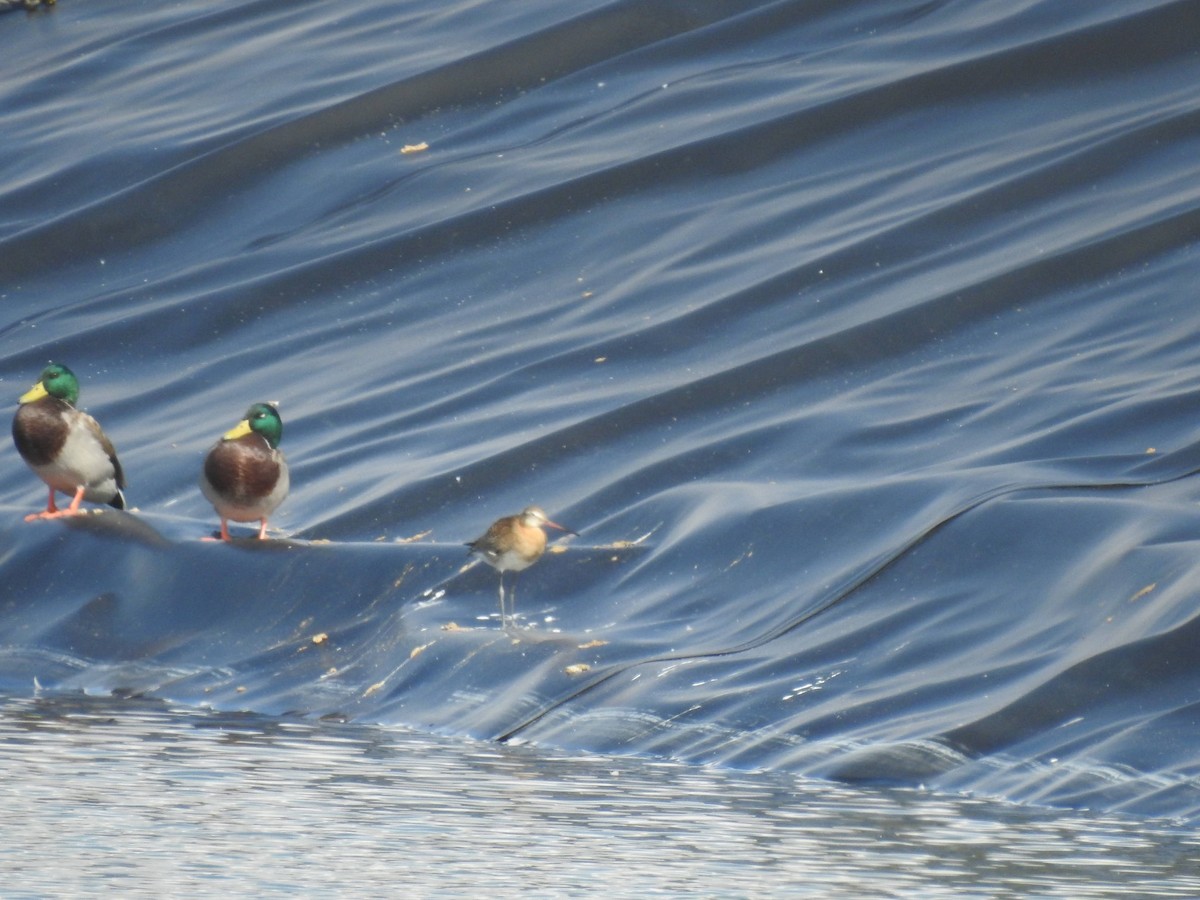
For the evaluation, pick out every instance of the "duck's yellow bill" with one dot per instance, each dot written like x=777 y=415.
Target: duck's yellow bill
x=241 y=429
x=37 y=392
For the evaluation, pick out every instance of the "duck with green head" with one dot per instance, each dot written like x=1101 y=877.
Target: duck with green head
x=64 y=446
x=245 y=476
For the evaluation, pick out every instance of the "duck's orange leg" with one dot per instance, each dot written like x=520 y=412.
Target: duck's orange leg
x=53 y=512
x=50 y=508
x=224 y=534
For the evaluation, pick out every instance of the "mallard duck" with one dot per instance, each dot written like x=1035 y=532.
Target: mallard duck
x=245 y=476
x=513 y=544
x=64 y=446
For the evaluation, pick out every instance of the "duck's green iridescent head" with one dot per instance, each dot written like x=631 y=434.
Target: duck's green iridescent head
x=56 y=381
x=261 y=418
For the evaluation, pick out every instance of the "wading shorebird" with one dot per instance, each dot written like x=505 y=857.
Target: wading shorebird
x=245 y=476
x=64 y=446
x=513 y=544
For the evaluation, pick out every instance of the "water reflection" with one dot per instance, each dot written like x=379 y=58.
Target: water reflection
x=854 y=337
x=144 y=799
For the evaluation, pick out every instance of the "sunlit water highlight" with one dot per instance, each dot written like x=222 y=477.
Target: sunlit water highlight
x=140 y=799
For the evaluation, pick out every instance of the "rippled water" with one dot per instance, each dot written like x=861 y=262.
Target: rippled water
x=856 y=339
x=142 y=799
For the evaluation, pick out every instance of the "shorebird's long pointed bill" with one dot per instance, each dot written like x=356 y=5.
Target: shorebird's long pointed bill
x=562 y=528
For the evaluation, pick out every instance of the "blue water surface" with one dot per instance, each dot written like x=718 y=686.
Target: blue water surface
x=857 y=340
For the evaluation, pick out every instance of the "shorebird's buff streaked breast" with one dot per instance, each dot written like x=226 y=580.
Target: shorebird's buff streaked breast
x=64 y=446
x=513 y=544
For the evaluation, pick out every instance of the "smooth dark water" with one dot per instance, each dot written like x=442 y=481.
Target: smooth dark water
x=857 y=339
